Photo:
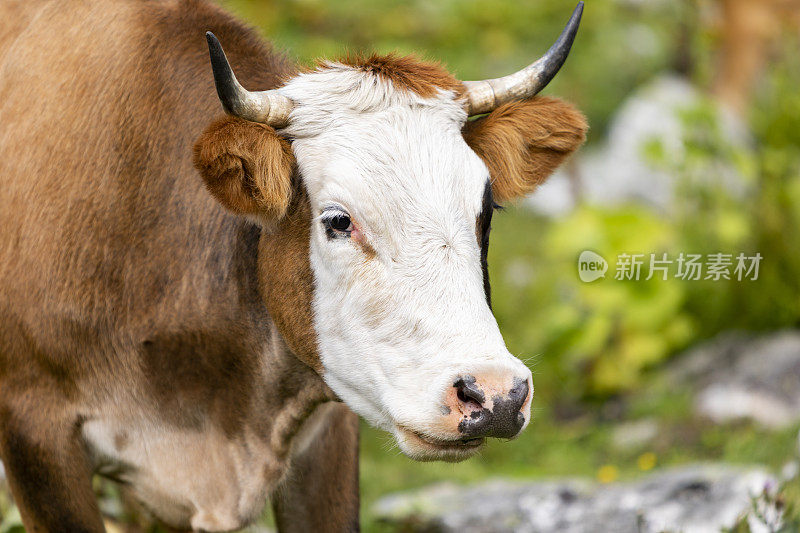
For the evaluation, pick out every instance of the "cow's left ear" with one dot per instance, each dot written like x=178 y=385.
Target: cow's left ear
x=247 y=166
x=522 y=143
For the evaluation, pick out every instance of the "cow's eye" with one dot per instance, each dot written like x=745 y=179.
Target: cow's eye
x=341 y=223
x=337 y=225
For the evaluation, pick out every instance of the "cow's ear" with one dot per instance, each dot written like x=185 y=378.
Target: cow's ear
x=522 y=143
x=247 y=166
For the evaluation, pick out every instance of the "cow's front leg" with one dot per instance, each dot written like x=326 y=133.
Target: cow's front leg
x=48 y=471
x=320 y=490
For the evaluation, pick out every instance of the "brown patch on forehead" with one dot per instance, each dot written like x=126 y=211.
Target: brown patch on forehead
x=121 y=440
x=368 y=250
x=407 y=73
x=287 y=282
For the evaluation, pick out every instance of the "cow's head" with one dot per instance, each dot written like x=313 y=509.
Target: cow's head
x=376 y=195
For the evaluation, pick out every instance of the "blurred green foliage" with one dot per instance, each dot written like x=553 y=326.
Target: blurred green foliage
x=597 y=337
x=762 y=218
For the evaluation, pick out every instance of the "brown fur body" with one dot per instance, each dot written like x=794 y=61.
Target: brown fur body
x=129 y=297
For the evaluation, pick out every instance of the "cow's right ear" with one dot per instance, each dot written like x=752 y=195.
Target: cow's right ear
x=247 y=166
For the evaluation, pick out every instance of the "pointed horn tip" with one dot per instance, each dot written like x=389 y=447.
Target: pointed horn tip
x=224 y=78
x=574 y=19
x=485 y=95
x=262 y=107
x=578 y=12
x=571 y=29
x=215 y=50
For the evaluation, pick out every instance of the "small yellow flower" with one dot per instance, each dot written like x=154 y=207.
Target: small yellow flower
x=607 y=474
x=646 y=461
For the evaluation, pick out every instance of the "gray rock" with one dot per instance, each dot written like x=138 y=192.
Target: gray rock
x=738 y=376
x=698 y=498
x=790 y=470
x=635 y=434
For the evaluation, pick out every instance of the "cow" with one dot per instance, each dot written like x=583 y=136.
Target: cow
x=198 y=304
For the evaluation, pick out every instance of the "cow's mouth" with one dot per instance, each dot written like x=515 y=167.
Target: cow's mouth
x=424 y=447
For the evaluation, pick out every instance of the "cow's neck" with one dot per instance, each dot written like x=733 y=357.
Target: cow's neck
x=286 y=281
x=275 y=282
x=301 y=391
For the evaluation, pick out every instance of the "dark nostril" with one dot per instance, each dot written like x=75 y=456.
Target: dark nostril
x=505 y=418
x=467 y=391
x=461 y=396
x=467 y=396
x=519 y=392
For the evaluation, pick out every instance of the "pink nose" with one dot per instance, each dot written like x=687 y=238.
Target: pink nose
x=488 y=411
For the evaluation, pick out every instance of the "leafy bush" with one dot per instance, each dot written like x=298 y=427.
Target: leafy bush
x=598 y=337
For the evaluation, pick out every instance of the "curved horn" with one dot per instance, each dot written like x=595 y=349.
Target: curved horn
x=267 y=107
x=485 y=95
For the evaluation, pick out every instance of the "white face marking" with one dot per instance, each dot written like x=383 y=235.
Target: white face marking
x=399 y=307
